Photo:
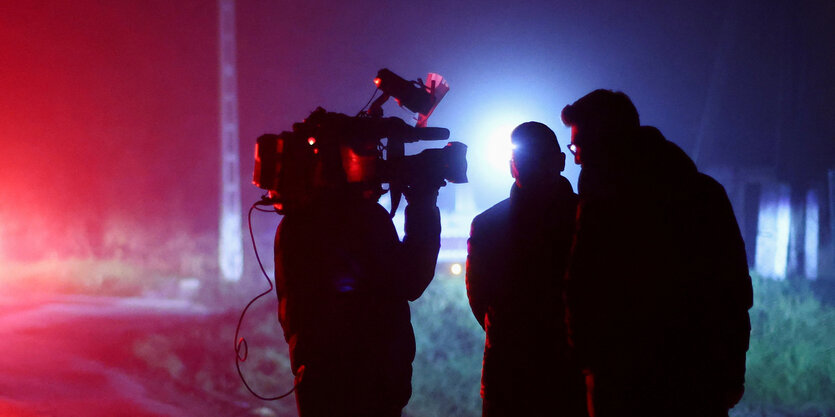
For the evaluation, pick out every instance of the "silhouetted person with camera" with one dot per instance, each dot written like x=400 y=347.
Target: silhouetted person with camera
x=657 y=289
x=344 y=284
x=518 y=251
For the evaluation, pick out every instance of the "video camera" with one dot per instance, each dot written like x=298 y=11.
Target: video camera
x=332 y=151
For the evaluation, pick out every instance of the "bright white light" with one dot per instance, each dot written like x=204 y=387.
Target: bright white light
x=773 y=231
x=488 y=138
x=498 y=147
x=456 y=269
x=812 y=230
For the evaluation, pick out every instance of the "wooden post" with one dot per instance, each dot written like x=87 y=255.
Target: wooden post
x=230 y=246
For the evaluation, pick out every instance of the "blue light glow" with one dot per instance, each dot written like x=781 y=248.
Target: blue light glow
x=812 y=229
x=773 y=232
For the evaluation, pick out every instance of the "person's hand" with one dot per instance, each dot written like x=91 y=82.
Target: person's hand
x=423 y=191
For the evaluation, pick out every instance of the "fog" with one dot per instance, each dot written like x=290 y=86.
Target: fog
x=109 y=111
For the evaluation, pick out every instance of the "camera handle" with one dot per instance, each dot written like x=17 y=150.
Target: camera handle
x=395 y=148
x=376 y=109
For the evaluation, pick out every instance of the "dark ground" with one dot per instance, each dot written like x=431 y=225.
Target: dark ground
x=91 y=356
x=94 y=356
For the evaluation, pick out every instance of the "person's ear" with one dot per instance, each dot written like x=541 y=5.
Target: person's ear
x=513 y=171
x=561 y=163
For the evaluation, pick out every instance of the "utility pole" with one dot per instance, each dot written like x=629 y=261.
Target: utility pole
x=230 y=246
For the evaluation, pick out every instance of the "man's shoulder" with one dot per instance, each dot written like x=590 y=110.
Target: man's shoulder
x=709 y=188
x=496 y=214
x=566 y=192
x=709 y=182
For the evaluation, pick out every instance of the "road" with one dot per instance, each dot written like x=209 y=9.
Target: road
x=75 y=356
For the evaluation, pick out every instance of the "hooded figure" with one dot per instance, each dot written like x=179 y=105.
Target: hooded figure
x=344 y=282
x=658 y=289
x=517 y=254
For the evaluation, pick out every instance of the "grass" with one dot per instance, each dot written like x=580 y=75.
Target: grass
x=790 y=367
x=447 y=367
x=791 y=359
x=450 y=343
x=199 y=360
x=77 y=275
x=119 y=265
x=790 y=363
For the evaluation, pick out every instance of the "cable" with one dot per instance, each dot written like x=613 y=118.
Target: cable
x=369 y=101
x=241 y=347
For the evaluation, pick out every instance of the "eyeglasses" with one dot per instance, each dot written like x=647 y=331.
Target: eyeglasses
x=572 y=148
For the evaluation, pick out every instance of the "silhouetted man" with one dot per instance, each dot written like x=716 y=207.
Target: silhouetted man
x=344 y=284
x=517 y=256
x=657 y=289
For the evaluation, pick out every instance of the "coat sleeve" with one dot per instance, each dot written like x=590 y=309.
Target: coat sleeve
x=421 y=245
x=582 y=305
x=735 y=289
x=476 y=272
x=405 y=268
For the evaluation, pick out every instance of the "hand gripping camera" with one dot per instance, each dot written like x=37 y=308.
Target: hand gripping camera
x=331 y=152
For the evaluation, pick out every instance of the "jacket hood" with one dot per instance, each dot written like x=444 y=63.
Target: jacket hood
x=659 y=154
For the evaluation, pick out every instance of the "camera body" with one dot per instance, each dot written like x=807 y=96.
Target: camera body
x=332 y=152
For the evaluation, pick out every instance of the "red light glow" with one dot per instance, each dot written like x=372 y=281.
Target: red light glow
x=311 y=141
x=377 y=81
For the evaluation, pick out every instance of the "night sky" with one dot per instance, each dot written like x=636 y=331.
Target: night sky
x=109 y=109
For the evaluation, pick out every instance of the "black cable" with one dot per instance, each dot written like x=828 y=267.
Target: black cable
x=255 y=206
x=369 y=101
x=241 y=348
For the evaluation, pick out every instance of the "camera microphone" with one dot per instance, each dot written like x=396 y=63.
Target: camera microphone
x=431 y=133
x=414 y=134
x=396 y=129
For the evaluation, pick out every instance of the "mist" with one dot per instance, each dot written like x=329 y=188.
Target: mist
x=109 y=115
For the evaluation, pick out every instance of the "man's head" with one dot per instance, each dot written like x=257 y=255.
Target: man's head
x=537 y=159
x=596 y=118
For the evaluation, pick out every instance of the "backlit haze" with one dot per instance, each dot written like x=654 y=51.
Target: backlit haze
x=110 y=296
x=108 y=116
